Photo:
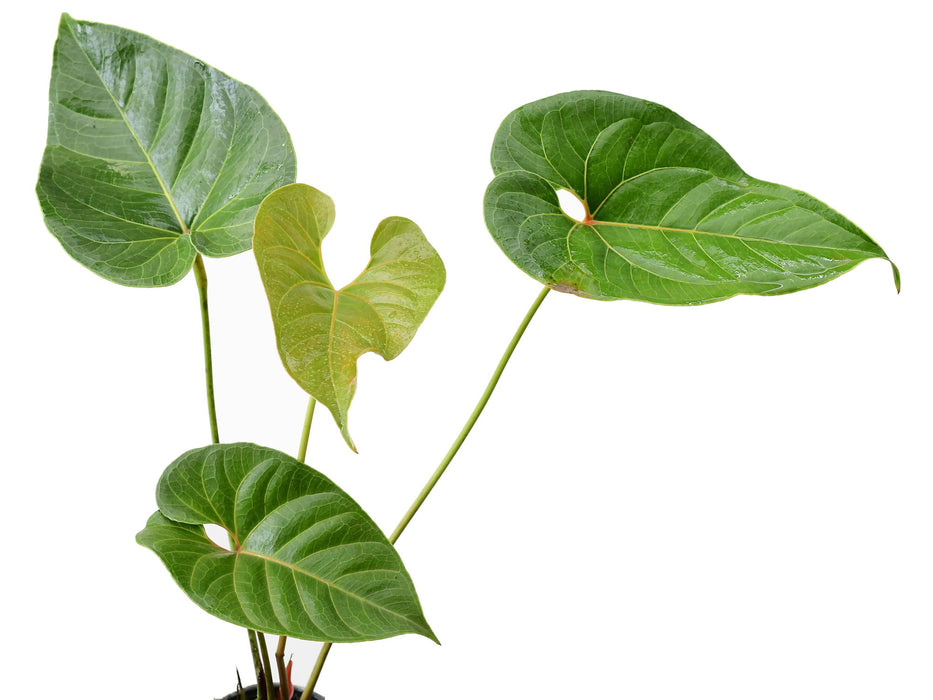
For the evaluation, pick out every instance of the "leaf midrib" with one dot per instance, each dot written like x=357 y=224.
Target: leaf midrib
x=661 y=229
x=670 y=229
x=293 y=568
x=330 y=585
x=742 y=239
x=158 y=176
x=625 y=180
x=327 y=284
x=174 y=234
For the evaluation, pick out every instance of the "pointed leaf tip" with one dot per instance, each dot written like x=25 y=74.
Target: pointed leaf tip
x=321 y=331
x=344 y=430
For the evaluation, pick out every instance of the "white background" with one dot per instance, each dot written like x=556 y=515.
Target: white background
x=730 y=502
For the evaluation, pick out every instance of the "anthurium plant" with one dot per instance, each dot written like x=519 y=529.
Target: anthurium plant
x=155 y=160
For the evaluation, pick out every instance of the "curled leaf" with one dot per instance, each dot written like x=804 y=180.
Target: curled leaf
x=322 y=331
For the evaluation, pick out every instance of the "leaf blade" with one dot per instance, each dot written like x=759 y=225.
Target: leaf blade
x=321 y=331
x=308 y=562
x=670 y=217
x=141 y=134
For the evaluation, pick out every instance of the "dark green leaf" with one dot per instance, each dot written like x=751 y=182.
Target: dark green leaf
x=152 y=156
x=321 y=331
x=307 y=562
x=669 y=218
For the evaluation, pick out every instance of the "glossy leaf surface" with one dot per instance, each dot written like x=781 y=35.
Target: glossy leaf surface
x=321 y=331
x=670 y=217
x=307 y=563
x=152 y=156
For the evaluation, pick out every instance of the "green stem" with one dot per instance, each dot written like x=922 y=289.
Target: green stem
x=302 y=456
x=316 y=673
x=448 y=458
x=266 y=666
x=257 y=641
x=306 y=431
x=471 y=421
x=257 y=662
x=200 y=275
x=283 y=671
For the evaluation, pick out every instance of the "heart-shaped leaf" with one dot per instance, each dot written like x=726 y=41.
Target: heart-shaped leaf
x=320 y=330
x=307 y=562
x=669 y=217
x=152 y=156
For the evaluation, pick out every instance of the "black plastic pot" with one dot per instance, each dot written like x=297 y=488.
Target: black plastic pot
x=252 y=694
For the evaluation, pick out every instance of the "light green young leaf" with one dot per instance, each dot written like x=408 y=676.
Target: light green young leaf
x=307 y=561
x=669 y=218
x=152 y=156
x=321 y=331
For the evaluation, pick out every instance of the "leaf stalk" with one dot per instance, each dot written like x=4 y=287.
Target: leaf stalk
x=308 y=692
x=257 y=640
x=306 y=431
x=280 y=665
x=302 y=456
x=257 y=663
x=266 y=665
x=448 y=458
x=471 y=421
x=200 y=275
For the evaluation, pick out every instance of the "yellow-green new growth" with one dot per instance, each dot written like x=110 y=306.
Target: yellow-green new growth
x=320 y=330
